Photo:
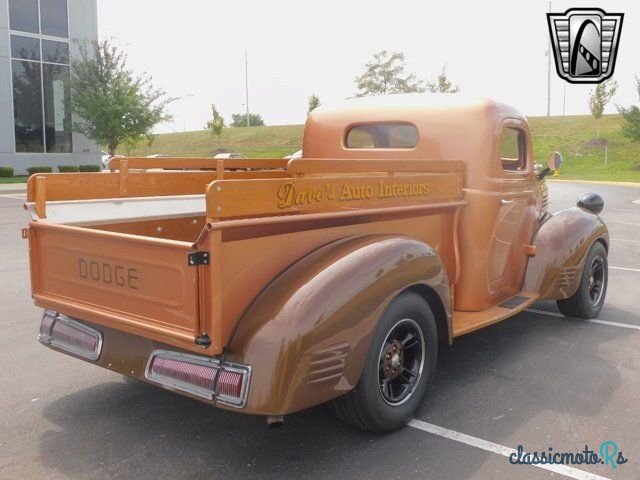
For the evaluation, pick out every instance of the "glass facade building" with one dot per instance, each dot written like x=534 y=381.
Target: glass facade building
x=40 y=37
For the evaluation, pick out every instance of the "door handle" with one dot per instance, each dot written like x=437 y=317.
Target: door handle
x=504 y=201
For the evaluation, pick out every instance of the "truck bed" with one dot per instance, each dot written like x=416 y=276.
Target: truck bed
x=177 y=256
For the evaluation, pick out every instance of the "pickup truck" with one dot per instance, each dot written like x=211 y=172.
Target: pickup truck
x=268 y=286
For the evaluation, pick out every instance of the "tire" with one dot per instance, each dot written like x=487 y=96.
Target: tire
x=588 y=300
x=382 y=402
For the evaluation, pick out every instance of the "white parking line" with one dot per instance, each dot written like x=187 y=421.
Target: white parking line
x=499 y=449
x=624 y=210
x=592 y=320
x=624 y=223
x=19 y=196
x=625 y=269
x=624 y=240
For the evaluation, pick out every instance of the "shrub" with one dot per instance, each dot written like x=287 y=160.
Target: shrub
x=67 y=168
x=6 y=172
x=38 y=169
x=89 y=168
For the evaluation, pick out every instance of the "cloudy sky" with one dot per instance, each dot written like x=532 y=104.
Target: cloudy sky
x=194 y=49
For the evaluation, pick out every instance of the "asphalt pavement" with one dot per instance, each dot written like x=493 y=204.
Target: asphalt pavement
x=538 y=380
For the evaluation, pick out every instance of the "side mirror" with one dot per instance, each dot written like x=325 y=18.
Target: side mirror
x=553 y=163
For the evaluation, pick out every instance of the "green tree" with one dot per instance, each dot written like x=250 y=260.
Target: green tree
x=631 y=118
x=312 y=103
x=115 y=105
x=385 y=74
x=442 y=84
x=599 y=98
x=240 y=120
x=216 y=124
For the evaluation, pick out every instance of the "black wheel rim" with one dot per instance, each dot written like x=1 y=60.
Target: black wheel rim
x=597 y=279
x=400 y=362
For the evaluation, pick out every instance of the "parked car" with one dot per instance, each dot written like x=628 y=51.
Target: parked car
x=105 y=160
x=229 y=155
x=415 y=220
x=297 y=154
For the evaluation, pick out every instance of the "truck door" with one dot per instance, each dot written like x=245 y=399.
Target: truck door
x=515 y=204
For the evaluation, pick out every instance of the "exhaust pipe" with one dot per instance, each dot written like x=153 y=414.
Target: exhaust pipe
x=275 y=421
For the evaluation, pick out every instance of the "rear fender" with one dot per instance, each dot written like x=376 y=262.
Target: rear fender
x=562 y=244
x=307 y=335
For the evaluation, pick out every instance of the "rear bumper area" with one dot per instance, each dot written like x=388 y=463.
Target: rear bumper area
x=195 y=376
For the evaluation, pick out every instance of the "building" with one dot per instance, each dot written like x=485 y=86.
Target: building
x=37 y=40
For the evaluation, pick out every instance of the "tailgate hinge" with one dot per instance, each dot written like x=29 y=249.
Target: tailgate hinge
x=198 y=258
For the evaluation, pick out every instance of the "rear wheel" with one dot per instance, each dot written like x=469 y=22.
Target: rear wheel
x=398 y=370
x=588 y=300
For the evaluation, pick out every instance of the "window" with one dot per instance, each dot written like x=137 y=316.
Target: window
x=513 y=149
x=23 y=15
x=48 y=17
x=27 y=48
x=382 y=135
x=41 y=91
x=53 y=18
x=27 y=106
x=55 y=52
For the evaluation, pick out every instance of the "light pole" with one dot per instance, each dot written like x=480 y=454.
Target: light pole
x=549 y=73
x=246 y=86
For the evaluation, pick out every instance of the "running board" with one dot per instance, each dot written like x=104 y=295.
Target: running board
x=466 y=322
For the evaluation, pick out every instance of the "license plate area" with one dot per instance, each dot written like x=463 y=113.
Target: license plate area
x=69 y=335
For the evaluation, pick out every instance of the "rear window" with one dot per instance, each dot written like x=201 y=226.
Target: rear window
x=382 y=135
x=513 y=149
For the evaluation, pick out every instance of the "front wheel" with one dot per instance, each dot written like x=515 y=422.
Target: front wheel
x=398 y=370
x=588 y=300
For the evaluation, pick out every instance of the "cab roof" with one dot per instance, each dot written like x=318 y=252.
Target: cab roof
x=446 y=123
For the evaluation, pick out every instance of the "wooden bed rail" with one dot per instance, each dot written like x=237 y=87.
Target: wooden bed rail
x=270 y=179
x=196 y=163
x=301 y=166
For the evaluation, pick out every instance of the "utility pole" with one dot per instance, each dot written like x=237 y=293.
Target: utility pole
x=246 y=86
x=549 y=73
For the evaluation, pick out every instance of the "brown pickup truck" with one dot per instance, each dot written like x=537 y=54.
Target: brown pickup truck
x=267 y=286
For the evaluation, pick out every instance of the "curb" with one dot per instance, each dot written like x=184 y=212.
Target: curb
x=604 y=182
x=13 y=188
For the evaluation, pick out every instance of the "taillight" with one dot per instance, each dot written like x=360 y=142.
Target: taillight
x=69 y=335
x=198 y=375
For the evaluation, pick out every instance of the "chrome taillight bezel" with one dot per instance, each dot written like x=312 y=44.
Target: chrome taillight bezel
x=175 y=384
x=47 y=337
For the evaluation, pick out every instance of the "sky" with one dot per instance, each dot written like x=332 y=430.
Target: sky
x=194 y=50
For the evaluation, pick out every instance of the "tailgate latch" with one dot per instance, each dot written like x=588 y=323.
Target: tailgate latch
x=198 y=258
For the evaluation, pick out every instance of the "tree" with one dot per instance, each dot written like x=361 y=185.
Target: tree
x=313 y=103
x=631 y=118
x=386 y=74
x=114 y=104
x=216 y=124
x=442 y=84
x=240 y=120
x=598 y=99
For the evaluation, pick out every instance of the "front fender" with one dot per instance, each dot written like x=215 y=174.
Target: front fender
x=307 y=335
x=562 y=244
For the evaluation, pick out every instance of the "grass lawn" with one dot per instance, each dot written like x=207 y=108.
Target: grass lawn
x=573 y=136
x=13 y=179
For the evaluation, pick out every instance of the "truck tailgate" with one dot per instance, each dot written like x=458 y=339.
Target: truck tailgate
x=135 y=284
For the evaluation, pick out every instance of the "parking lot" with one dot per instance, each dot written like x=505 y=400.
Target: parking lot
x=538 y=380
